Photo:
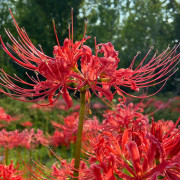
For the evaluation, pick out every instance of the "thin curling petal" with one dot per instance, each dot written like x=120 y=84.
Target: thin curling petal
x=107 y=93
x=67 y=98
x=31 y=67
x=156 y=71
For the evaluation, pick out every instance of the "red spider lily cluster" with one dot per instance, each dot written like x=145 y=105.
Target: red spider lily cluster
x=124 y=117
x=125 y=145
x=9 y=172
x=27 y=139
x=136 y=154
x=97 y=72
x=65 y=133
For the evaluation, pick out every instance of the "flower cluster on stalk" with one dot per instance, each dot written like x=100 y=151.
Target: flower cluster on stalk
x=10 y=172
x=98 y=72
x=136 y=150
x=28 y=139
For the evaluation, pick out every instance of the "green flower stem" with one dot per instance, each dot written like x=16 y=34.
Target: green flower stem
x=79 y=134
x=6 y=155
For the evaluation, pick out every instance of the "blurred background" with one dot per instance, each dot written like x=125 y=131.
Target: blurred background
x=131 y=26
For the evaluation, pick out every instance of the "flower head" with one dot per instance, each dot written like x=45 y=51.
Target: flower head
x=6 y=117
x=27 y=139
x=27 y=124
x=65 y=134
x=97 y=72
x=10 y=172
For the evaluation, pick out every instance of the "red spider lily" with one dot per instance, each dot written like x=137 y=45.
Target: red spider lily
x=169 y=139
x=125 y=117
x=129 y=153
x=10 y=172
x=56 y=71
x=138 y=161
x=9 y=139
x=165 y=125
x=6 y=117
x=27 y=139
x=65 y=134
x=59 y=171
x=61 y=73
x=101 y=171
x=164 y=149
x=94 y=172
x=106 y=156
x=102 y=71
x=30 y=139
x=147 y=75
x=66 y=170
x=142 y=154
x=27 y=124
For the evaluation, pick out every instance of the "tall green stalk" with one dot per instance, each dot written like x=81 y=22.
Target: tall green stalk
x=79 y=134
x=6 y=155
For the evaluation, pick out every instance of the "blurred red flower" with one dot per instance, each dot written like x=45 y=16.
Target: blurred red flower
x=28 y=139
x=27 y=124
x=10 y=172
x=6 y=117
